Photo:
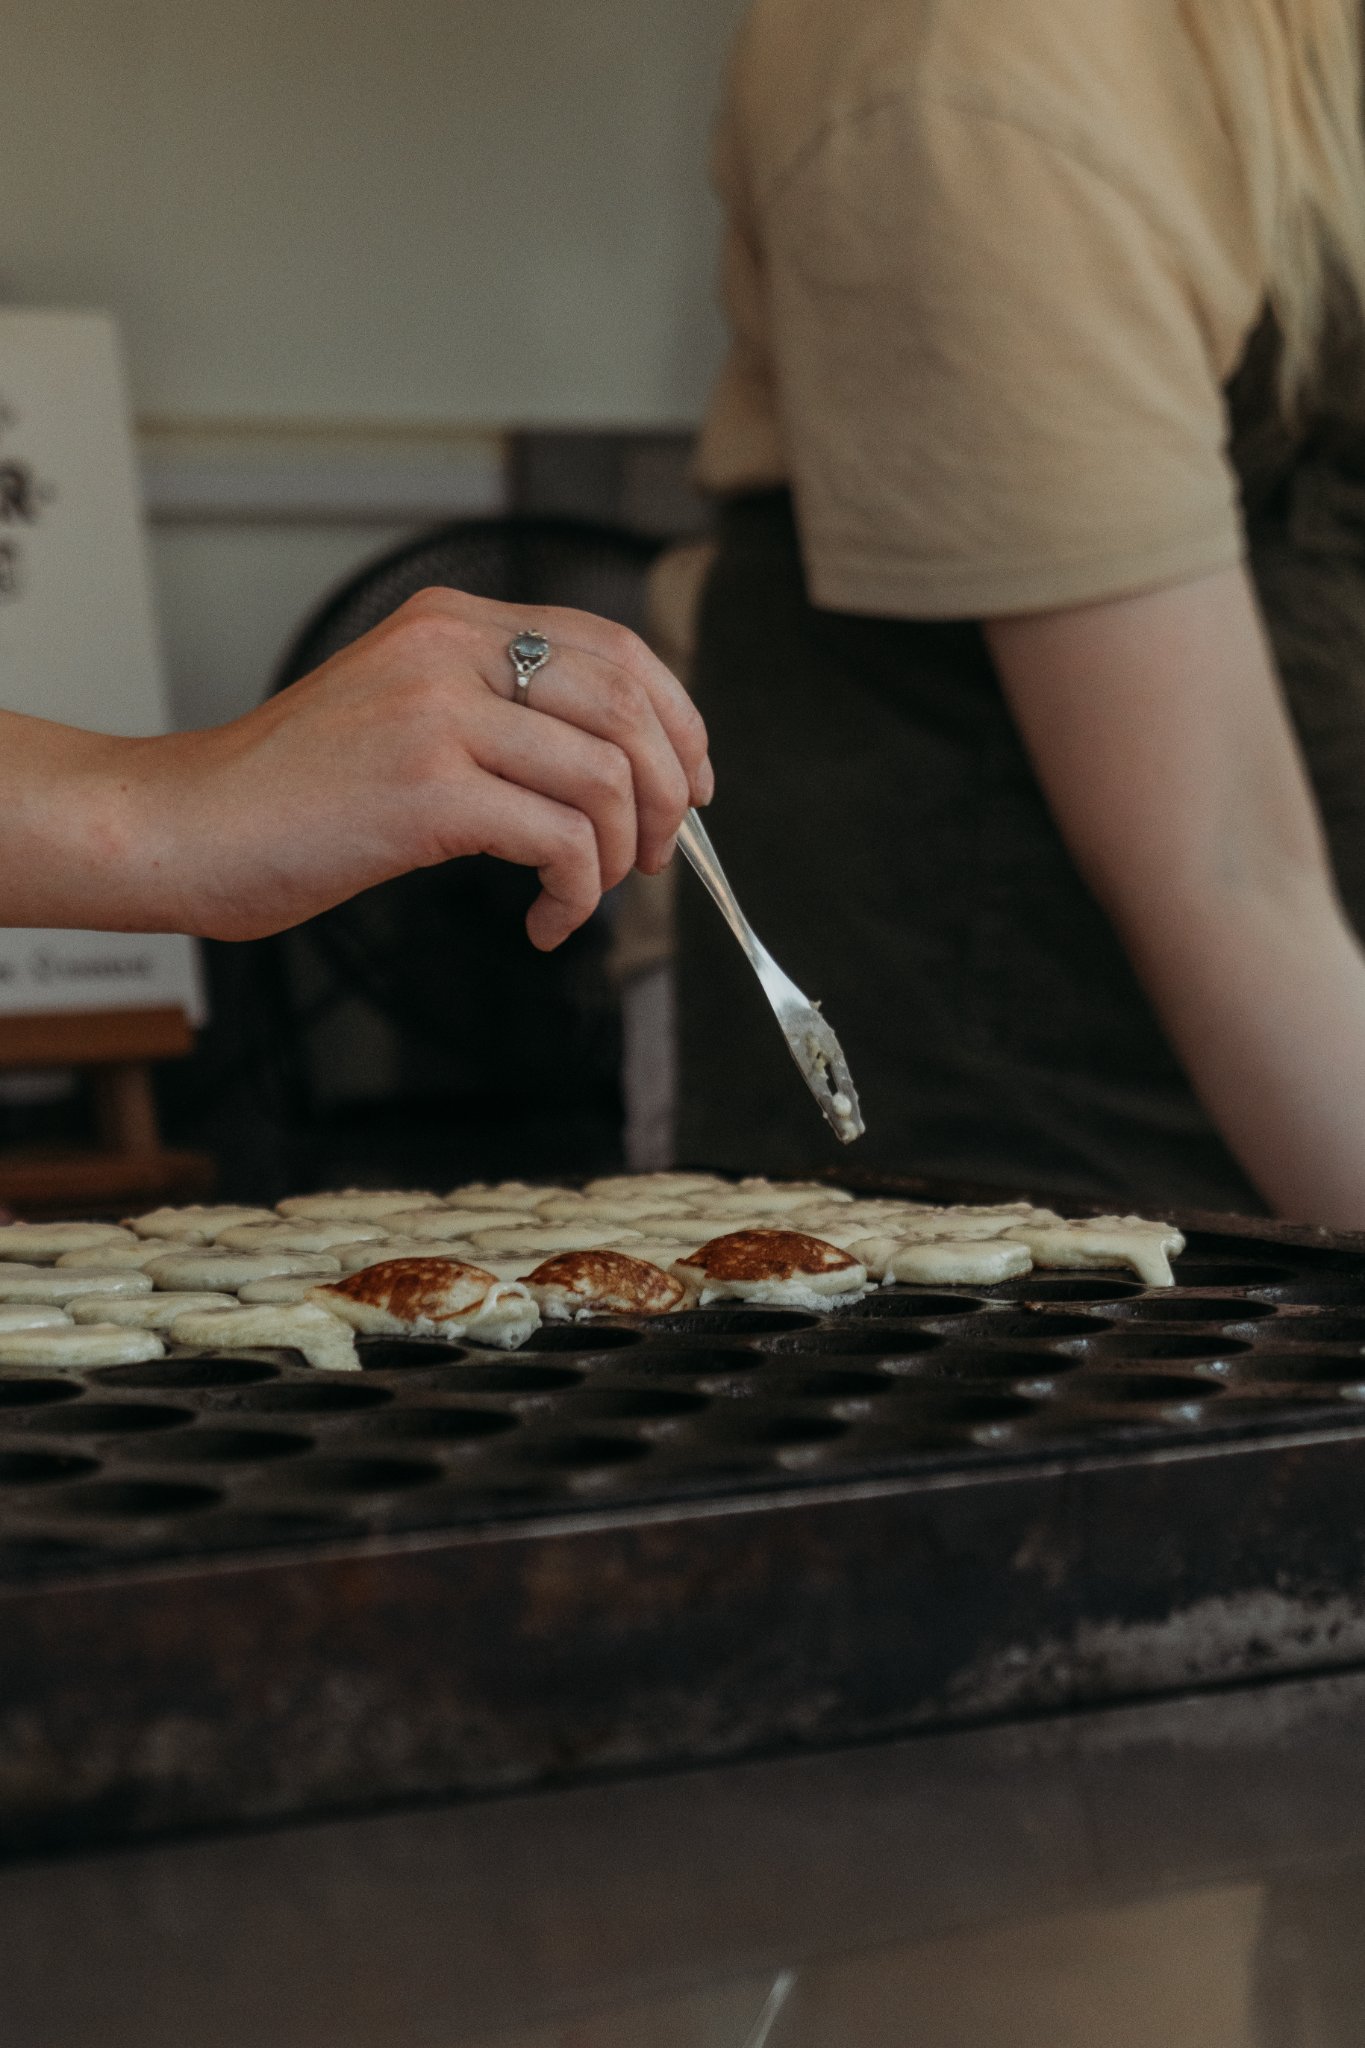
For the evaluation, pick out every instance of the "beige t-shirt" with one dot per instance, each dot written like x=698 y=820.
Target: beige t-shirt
x=989 y=266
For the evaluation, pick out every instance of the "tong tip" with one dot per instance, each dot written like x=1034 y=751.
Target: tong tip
x=821 y=1060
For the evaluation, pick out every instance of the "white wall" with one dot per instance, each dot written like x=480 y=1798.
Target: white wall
x=230 y=600
x=252 y=527
x=485 y=211
x=322 y=220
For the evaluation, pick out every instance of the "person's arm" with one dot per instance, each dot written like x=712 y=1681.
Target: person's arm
x=1158 y=732
x=399 y=752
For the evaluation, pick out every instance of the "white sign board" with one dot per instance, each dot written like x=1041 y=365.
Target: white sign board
x=77 y=637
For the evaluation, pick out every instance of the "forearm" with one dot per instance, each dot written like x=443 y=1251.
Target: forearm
x=78 y=846
x=400 y=752
x=1262 y=994
x=1159 y=735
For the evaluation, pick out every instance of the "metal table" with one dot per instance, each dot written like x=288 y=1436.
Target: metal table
x=1182 y=1874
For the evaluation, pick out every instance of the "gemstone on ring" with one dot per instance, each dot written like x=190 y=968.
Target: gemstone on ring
x=530 y=650
x=528 y=654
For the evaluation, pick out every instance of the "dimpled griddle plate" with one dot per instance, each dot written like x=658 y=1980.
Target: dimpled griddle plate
x=233 y=1588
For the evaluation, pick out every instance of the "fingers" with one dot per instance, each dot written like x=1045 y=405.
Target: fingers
x=558 y=760
x=611 y=653
x=674 y=709
x=559 y=842
x=577 y=695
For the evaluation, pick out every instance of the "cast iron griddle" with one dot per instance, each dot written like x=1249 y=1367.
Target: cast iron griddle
x=232 y=1587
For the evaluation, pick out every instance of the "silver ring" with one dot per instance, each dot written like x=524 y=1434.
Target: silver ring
x=528 y=653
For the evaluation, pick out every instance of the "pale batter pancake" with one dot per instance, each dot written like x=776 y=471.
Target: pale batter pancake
x=111 y=1258
x=358 y=1205
x=31 y=1315
x=144 y=1311
x=506 y=1194
x=324 y=1341
x=39 y=1243
x=1145 y=1248
x=298 y=1236
x=433 y=1226
x=197 y=1224
x=540 y=1241
x=93 y=1344
x=279 y=1287
x=48 y=1283
x=942 y=1262
x=222 y=1271
x=356 y=1257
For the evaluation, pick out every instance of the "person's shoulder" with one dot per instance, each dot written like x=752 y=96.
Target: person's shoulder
x=1077 y=73
x=802 y=69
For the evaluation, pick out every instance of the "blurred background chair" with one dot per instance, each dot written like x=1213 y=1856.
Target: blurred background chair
x=414 y=1034
x=79 y=1132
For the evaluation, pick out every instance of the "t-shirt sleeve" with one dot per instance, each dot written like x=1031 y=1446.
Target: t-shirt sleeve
x=997 y=387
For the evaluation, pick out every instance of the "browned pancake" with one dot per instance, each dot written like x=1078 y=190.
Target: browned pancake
x=770 y=1255
x=416 y=1290
x=603 y=1283
x=432 y=1298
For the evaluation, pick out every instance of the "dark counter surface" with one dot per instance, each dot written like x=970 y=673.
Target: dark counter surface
x=1189 y=1874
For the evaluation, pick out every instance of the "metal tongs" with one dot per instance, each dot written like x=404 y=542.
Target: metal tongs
x=813 y=1045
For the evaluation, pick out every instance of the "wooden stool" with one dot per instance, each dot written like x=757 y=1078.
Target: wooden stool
x=132 y=1168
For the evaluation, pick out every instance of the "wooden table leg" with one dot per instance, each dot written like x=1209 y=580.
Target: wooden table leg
x=125 y=1108
x=114 y=1049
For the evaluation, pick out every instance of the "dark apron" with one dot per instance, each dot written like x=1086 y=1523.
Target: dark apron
x=887 y=837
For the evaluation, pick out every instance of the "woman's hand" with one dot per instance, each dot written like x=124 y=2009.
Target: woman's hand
x=1159 y=735
x=402 y=751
